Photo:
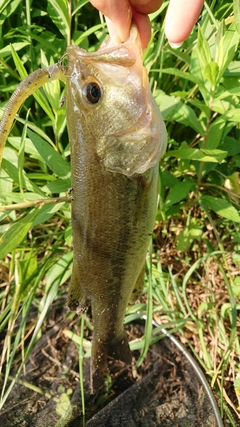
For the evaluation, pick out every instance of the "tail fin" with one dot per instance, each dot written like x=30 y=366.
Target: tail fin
x=102 y=353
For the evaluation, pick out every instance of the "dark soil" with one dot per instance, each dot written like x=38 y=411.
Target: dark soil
x=165 y=391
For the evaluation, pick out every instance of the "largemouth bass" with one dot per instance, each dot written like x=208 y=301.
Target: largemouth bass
x=117 y=138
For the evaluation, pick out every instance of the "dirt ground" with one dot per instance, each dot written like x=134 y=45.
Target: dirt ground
x=165 y=391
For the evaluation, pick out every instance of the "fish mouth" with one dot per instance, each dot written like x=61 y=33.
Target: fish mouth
x=127 y=54
x=139 y=141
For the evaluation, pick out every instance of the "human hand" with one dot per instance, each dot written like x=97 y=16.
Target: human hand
x=180 y=18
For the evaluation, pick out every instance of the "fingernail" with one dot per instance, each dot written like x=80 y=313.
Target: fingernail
x=175 y=45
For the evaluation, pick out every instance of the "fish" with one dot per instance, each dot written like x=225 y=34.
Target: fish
x=117 y=137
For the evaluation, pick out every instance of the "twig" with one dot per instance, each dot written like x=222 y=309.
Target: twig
x=39 y=202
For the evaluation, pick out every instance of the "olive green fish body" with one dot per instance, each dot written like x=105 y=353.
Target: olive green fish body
x=117 y=137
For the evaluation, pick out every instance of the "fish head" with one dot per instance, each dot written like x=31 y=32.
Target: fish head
x=110 y=96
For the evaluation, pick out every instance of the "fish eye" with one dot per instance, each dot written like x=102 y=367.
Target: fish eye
x=92 y=92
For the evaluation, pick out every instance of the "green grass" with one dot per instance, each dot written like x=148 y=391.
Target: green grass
x=193 y=278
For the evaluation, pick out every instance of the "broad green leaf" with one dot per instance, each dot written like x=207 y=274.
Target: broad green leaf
x=21 y=197
x=236 y=289
x=222 y=207
x=230 y=92
x=21 y=156
x=168 y=179
x=215 y=133
x=46 y=212
x=12 y=238
x=58 y=186
x=218 y=36
x=231 y=145
x=41 y=176
x=237 y=161
x=178 y=193
x=200 y=104
x=18 y=63
x=186 y=115
x=173 y=109
x=29 y=147
x=233 y=115
x=179 y=54
x=202 y=155
x=200 y=60
x=221 y=107
x=6 y=51
x=52 y=89
x=187 y=236
x=12 y=171
x=68 y=236
x=227 y=49
x=203 y=49
x=233 y=183
x=28 y=265
x=233 y=70
x=58 y=12
x=217 y=156
x=59 y=272
x=43 y=40
x=211 y=73
x=7 y=7
x=79 y=40
x=236 y=260
x=6 y=184
x=180 y=94
x=79 y=5
x=236 y=11
x=10 y=155
x=34 y=128
x=179 y=73
x=51 y=157
x=196 y=70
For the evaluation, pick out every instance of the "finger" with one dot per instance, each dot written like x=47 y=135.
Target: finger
x=144 y=27
x=145 y=6
x=120 y=15
x=113 y=31
x=180 y=19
